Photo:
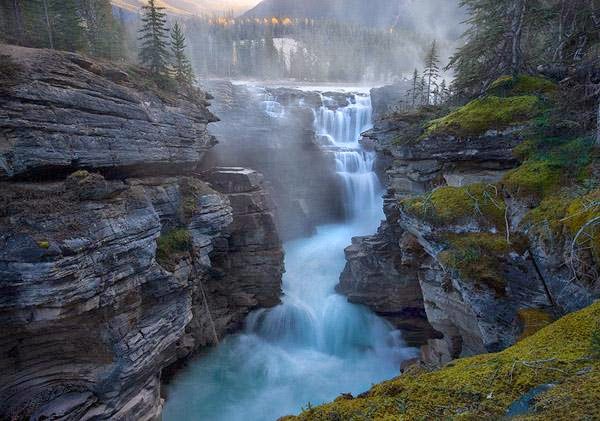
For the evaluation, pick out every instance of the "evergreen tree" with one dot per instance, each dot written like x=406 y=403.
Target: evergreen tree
x=154 y=35
x=181 y=68
x=432 y=70
x=415 y=82
x=104 y=33
x=66 y=25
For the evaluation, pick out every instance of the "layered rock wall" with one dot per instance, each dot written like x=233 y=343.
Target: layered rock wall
x=130 y=263
x=454 y=249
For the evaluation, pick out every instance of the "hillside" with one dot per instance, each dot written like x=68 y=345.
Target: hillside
x=190 y=7
x=354 y=11
x=417 y=16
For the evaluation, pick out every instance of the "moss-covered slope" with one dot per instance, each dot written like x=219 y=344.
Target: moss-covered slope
x=485 y=386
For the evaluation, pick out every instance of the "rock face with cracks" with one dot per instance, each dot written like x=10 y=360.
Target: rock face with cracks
x=116 y=260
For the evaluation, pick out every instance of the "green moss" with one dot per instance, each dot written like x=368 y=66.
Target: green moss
x=453 y=205
x=532 y=320
x=43 y=244
x=582 y=220
x=522 y=85
x=413 y=123
x=171 y=245
x=548 y=214
x=487 y=113
x=80 y=174
x=478 y=258
x=595 y=342
x=535 y=178
x=483 y=387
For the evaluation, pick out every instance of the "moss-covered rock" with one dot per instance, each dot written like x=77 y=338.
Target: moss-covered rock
x=582 y=221
x=455 y=205
x=171 y=246
x=522 y=85
x=478 y=258
x=484 y=114
x=532 y=320
x=483 y=387
x=534 y=179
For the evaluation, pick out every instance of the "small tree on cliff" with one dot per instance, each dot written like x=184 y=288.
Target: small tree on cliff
x=154 y=36
x=181 y=68
x=432 y=70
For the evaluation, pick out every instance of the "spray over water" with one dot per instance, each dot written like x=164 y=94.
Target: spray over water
x=315 y=345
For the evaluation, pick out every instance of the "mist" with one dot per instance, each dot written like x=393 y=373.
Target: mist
x=314 y=41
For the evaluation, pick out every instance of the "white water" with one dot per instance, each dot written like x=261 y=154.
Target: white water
x=315 y=345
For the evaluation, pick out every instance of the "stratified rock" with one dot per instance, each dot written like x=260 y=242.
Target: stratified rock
x=65 y=112
x=381 y=273
x=250 y=255
x=89 y=317
x=91 y=314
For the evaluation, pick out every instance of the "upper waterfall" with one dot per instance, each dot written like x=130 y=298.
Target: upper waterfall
x=339 y=129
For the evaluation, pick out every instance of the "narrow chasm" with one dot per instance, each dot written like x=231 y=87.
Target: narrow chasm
x=315 y=344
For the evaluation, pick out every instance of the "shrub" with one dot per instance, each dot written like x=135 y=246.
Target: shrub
x=171 y=245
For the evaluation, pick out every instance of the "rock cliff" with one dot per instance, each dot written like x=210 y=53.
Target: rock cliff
x=117 y=259
x=487 y=238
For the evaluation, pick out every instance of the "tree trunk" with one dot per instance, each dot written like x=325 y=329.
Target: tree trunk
x=516 y=33
x=18 y=22
x=49 y=27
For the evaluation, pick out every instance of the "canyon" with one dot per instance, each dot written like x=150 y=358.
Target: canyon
x=142 y=260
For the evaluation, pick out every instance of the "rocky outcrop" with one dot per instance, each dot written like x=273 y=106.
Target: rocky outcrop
x=386 y=99
x=456 y=247
x=382 y=273
x=110 y=275
x=247 y=262
x=63 y=112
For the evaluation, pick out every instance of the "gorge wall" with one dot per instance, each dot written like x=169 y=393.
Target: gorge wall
x=117 y=257
x=470 y=259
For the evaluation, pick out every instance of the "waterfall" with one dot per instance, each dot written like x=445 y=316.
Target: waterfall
x=314 y=345
x=339 y=130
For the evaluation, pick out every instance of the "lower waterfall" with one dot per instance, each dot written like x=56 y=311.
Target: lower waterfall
x=315 y=345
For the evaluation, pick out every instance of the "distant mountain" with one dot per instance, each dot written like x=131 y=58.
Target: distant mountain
x=189 y=7
x=375 y=13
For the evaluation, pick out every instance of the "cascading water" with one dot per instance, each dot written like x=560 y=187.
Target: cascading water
x=315 y=345
x=339 y=130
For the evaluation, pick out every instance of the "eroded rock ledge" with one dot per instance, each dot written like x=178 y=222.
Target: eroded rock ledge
x=460 y=263
x=109 y=275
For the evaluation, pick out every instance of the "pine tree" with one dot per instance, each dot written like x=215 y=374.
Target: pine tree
x=67 y=29
x=181 y=68
x=154 y=35
x=104 y=33
x=432 y=70
x=415 y=82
